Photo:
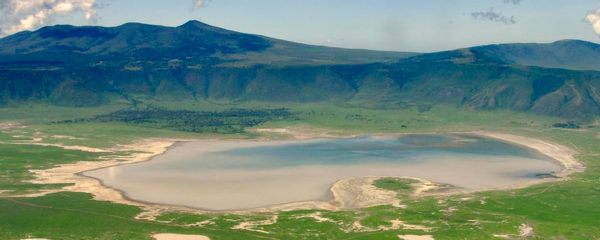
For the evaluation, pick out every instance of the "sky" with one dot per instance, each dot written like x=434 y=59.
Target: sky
x=395 y=25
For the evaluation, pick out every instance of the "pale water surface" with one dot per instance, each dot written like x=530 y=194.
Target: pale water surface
x=227 y=175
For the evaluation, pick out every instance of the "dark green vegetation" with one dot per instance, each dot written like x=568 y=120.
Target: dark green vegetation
x=194 y=63
x=570 y=125
x=395 y=184
x=226 y=122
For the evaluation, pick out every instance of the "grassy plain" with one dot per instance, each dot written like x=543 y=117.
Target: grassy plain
x=557 y=210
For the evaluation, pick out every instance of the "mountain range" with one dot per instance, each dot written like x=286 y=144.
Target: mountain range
x=89 y=66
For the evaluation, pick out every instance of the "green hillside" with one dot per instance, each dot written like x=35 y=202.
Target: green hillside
x=195 y=62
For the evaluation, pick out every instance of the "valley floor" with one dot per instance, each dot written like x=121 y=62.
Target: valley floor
x=43 y=197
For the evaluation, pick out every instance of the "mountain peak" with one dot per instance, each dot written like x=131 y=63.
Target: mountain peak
x=192 y=23
x=195 y=25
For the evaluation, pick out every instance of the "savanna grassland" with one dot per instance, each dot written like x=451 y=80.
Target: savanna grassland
x=557 y=210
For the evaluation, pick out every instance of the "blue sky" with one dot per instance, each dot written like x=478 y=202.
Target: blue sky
x=399 y=25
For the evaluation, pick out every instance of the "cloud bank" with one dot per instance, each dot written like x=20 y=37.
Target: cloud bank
x=20 y=15
x=494 y=16
x=594 y=19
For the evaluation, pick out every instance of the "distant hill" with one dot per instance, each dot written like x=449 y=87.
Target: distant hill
x=568 y=54
x=193 y=42
x=86 y=66
x=565 y=54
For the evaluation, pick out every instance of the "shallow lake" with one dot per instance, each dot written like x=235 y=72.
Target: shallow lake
x=228 y=175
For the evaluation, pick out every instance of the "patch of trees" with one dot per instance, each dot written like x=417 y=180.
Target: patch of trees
x=224 y=122
x=569 y=125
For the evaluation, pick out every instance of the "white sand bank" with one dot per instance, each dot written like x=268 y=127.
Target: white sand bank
x=10 y=125
x=173 y=236
x=560 y=153
x=69 y=173
x=416 y=237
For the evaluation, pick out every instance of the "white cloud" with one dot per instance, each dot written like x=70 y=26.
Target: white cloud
x=200 y=3
x=492 y=15
x=20 y=15
x=594 y=19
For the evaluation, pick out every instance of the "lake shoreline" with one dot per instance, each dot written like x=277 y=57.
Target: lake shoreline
x=342 y=191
